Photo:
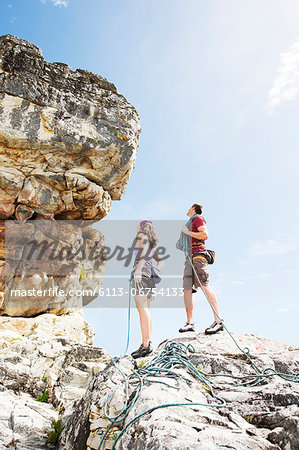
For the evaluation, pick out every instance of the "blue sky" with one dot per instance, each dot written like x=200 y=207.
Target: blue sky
x=216 y=85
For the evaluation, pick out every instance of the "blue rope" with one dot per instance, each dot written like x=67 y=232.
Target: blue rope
x=261 y=375
x=175 y=354
x=116 y=419
x=129 y=315
x=246 y=350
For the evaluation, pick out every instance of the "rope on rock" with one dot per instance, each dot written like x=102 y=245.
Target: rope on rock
x=174 y=355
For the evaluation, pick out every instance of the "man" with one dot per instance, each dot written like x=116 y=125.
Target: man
x=198 y=233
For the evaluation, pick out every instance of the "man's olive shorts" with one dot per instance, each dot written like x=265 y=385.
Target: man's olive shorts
x=201 y=267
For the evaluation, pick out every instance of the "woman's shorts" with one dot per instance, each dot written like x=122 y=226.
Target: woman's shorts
x=144 y=288
x=201 y=267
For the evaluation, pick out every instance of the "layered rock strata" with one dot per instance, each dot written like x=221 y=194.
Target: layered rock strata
x=49 y=265
x=68 y=139
x=68 y=143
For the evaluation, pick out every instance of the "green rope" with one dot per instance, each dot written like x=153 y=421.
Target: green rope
x=175 y=354
x=115 y=419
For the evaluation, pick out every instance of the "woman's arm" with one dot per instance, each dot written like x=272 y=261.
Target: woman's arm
x=142 y=242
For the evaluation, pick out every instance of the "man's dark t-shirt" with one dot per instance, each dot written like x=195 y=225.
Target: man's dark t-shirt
x=197 y=245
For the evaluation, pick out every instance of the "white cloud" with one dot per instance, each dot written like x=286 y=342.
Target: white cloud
x=282 y=310
x=273 y=247
x=286 y=308
x=238 y=282
x=286 y=84
x=64 y=3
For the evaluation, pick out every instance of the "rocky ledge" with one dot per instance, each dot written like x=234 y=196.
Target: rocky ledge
x=46 y=364
x=68 y=143
x=51 y=358
x=68 y=139
x=260 y=417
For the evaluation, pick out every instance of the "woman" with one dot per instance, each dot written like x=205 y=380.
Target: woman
x=143 y=281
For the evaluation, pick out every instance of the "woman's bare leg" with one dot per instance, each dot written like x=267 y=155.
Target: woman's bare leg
x=151 y=323
x=145 y=318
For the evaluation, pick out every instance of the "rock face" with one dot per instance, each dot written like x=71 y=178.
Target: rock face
x=68 y=143
x=49 y=265
x=68 y=140
x=265 y=416
x=50 y=357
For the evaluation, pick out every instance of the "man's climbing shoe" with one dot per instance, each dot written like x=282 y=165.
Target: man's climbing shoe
x=214 y=328
x=142 y=351
x=187 y=327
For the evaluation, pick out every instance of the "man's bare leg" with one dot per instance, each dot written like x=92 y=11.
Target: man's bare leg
x=213 y=300
x=188 y=304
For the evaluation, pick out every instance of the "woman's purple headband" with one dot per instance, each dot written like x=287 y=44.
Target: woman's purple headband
x=143 y=222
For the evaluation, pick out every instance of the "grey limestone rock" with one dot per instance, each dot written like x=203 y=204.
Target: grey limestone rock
x=50 y=355
x=68 y=143
x=262 y=417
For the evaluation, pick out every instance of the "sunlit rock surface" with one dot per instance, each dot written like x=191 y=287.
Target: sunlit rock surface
x=68 y=143
x=49 y=358
x=262 y=417
x=68 y=139
x=49 y=266
x=52 y=357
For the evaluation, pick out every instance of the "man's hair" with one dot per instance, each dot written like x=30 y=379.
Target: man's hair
x=198 y=208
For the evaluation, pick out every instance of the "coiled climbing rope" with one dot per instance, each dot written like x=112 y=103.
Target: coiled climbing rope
x=174 y=355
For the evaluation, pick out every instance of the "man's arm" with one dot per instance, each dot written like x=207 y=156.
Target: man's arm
x=202 y=232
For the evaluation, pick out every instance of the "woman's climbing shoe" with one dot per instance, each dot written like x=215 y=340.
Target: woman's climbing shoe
x=142 y=351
